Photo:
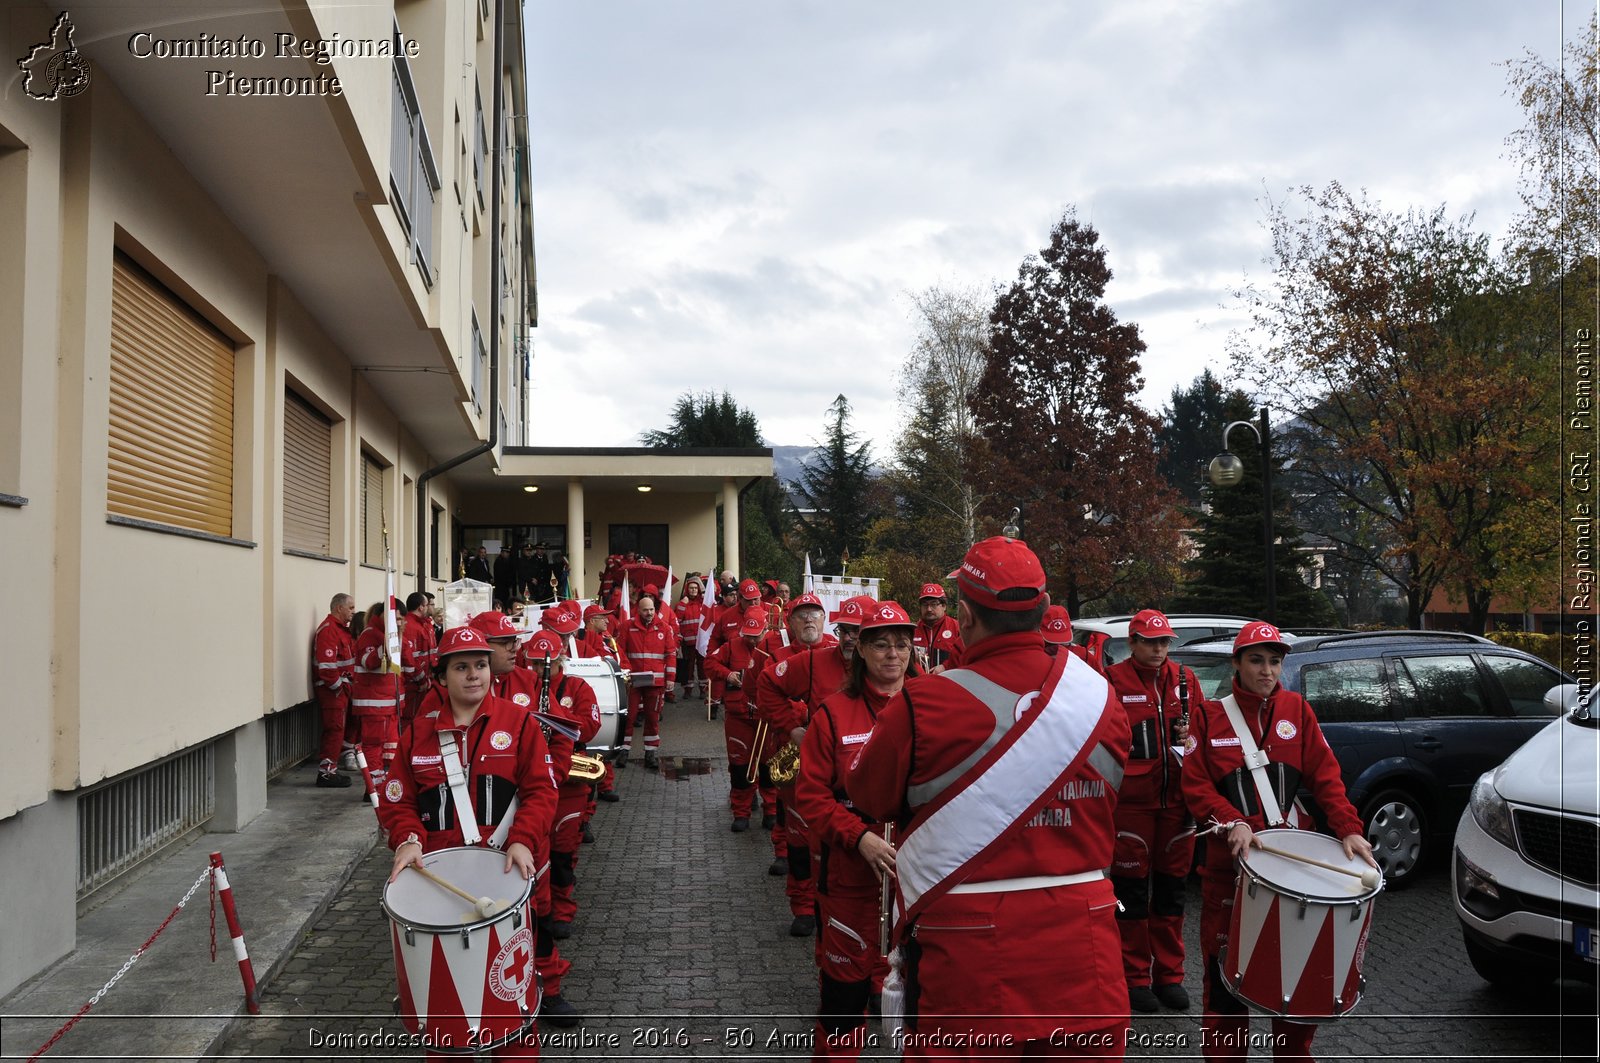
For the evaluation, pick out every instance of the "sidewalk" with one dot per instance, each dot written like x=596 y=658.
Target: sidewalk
x=175 y=1003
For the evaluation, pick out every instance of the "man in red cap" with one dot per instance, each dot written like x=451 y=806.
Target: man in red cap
x=416 y=654
x=937 y=637
x=1007 y=768
x=738 y=664
x=726 y=623
x=690 y=610
x=804 y=628
x=333 y=656
x=787 y=694
x=595 y=641
x=651 y=659
x=1057 y=631
x=375 y=696
x=1155 y=836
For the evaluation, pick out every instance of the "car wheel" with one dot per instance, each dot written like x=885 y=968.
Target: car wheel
x=1398 y=831
x=1505 y=972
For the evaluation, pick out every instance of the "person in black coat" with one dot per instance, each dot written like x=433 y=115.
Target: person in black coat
x=478 y=566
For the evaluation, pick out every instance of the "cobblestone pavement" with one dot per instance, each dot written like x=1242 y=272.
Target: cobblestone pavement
x=681 y=949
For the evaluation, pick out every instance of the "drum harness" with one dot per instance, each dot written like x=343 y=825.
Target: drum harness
x=1257 y=763
x=456 y=777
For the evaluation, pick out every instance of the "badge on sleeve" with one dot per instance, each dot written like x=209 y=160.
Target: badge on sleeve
x=500 y=740
x=394 y=791
x=783 y=666
x=521 y=699
x=1286 y=730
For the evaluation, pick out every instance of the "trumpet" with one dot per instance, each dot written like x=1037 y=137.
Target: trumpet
x=785 y=764
x=586 y=767
x=754 y=769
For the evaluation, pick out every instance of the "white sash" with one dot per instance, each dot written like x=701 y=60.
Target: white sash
x=457 y=777
x=1255 y=760
x=1038 y=751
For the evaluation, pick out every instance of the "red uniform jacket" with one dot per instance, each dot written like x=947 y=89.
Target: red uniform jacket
x=790 y=690
x=941 y=640
x=838 y=730
x=690 y=611
x=725 y=623
x=1150 y=698
x=742 y=658
x=416 y=650
x=594 y=644
x=505 y=754
x=373 y=690
x=652 y=651
x=1286 y=730
x=333 y=653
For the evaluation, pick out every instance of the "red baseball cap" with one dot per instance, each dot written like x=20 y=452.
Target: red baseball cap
x=999 y=564
x=754 y=622
x=1259 y=633
x=1057 y=625
x=496 y=625
x=594 y=611
x=464 y=639
x=852 y=610
x=545 y=644
x=885 y=614
x=1150 y=624
x=652 y=590
x=562 y=619
x=749 y=589
x=804 y=601
x=932 y=590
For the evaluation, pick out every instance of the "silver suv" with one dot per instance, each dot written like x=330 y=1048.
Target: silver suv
x=1526 y=870
x=1186 y=628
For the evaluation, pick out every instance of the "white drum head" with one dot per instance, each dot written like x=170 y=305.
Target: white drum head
x=417 y=902
x=1286 y=875
x=610 y=692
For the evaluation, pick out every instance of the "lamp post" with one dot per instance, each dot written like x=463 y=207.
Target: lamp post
x=1013 y=528
x=1226 y=470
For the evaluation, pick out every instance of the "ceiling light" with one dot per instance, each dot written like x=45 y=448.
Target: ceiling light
x=530 y=488
x=644 y=488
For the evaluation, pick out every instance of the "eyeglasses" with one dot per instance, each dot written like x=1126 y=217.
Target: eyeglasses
x=902 y=646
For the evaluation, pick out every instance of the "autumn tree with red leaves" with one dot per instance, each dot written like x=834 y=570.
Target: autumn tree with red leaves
x=1062 y=436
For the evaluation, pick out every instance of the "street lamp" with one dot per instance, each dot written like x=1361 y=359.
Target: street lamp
x=1013 y=528
x=1226 y=470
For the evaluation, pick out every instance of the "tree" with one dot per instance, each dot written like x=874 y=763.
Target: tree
x=1397 y=339
x=1191 y=431
x=1559 y=147
x=707 y=419
x=1228 y=572
x=1062 y=435
x=834 y=485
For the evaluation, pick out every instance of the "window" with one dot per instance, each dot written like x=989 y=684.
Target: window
x=647 y=539
x=307 y=477
x=480 y=363
x=480 y=147
x=1445 y=685
x=434 y=546
x=170 y=447
x=1525 y=683
x=1346 y=691
x=413 y=175
x=373 y=506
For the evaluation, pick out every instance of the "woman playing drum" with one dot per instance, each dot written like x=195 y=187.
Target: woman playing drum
x=1224 y=797
x=853 y=854
x=505 y=757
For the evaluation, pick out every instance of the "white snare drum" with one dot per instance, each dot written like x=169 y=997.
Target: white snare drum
x=1298 y=934
x=466 y=982
x=610 y=687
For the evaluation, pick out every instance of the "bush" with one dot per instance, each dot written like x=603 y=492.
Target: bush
x=1545 y=647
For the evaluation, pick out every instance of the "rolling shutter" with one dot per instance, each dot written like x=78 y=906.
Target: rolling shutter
x=371 y=511
x=170 y=452
x=307 y=477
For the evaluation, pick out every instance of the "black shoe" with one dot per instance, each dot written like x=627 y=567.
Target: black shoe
x=779 y=866
x=1173 y=996
x=803 y=926
x=769 y=821
x=588 y=835
x=650 y=763
x=1141 y=999
x=741 y=824
x=332 y=780
x=716 y=710
x=622 y=760
x=560 y=929
x=557 y=1011
x=610 y=795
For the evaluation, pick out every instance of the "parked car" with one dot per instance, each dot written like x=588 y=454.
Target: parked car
x=1526 y=875
x=1414 y=718
x=1186 y=628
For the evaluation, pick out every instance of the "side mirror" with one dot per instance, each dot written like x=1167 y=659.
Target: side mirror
x=1566 y=698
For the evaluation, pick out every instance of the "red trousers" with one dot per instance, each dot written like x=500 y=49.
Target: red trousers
x=335 y=711
x=1154 y=849
x=799 y=885
x=850 y=969
x=1225 y=1021
x=566 y=835
x=380 y=738
x=644 y=708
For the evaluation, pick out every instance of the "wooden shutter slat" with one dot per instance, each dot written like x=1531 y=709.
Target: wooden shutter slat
x=307 y=477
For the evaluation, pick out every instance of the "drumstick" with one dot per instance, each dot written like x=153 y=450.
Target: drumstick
x=485 y=906
x=1369 y=876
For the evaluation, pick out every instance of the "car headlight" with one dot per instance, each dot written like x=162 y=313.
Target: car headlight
x=1491 y=812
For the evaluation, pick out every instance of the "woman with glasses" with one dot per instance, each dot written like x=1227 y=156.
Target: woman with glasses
x=852 y=855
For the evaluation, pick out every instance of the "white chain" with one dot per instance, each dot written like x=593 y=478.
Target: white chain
x=204 y=875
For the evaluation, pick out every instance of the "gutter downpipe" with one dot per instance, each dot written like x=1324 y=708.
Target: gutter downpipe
x=495 y=282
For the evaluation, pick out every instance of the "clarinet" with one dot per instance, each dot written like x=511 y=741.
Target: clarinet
x=1183 y=700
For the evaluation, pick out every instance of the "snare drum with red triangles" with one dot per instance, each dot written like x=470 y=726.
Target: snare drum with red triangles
x=466 y=981
x=1298 y=934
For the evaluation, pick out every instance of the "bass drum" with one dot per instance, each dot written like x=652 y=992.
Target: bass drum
x=610 y=685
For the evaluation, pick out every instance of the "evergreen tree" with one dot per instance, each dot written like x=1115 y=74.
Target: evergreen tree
x=1227 y=575
x=835 y=486
x=1191 y=431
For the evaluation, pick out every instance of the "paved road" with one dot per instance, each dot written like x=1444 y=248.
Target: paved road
x=681 y=950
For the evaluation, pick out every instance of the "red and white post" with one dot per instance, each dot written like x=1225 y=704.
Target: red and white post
x=236 y=932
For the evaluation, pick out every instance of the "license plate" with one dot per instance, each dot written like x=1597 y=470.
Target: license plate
x=1586 y=943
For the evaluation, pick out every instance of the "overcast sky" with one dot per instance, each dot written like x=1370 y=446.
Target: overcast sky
x=740 y=195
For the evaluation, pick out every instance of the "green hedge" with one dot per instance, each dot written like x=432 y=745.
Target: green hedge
x=1545 y=647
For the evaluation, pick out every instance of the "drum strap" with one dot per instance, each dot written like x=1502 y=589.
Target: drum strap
x=457 y=776
x=1255 y=760
x=497 y=840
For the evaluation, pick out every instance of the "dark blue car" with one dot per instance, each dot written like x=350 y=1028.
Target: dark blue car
x=1414 y=718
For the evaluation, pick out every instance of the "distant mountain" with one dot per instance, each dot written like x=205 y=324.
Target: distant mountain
x=786 y=462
